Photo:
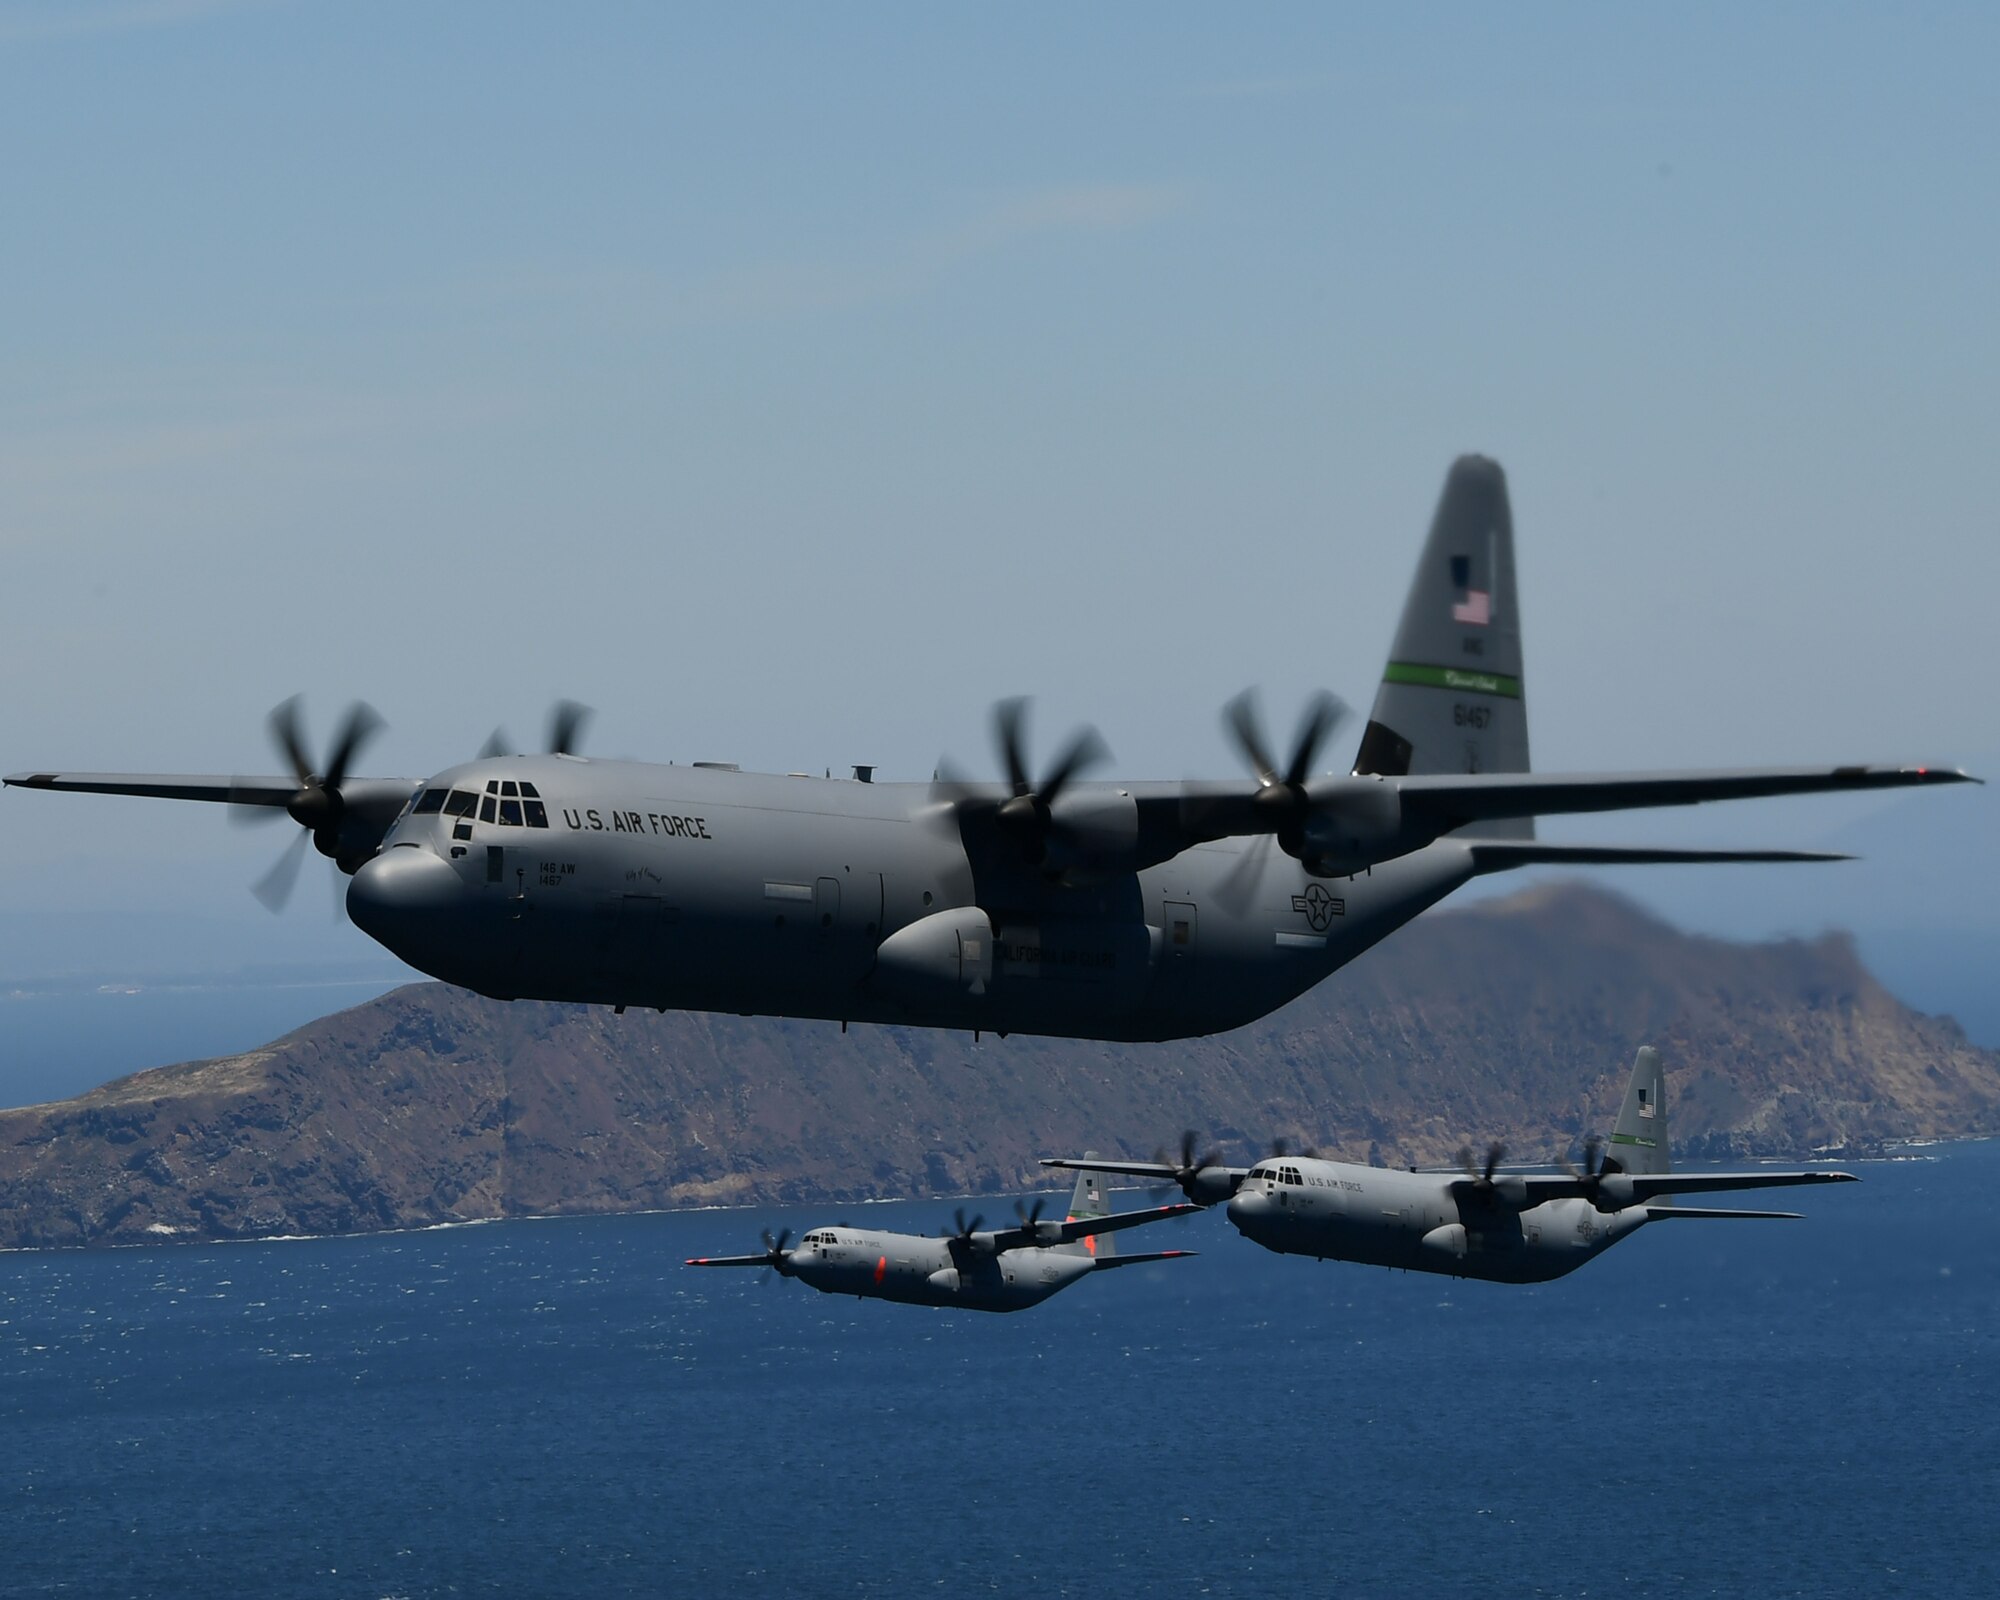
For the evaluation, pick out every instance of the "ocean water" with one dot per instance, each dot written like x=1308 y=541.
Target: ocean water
x=561 y=1408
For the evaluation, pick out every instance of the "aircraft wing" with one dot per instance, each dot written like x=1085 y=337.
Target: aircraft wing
x=1458 y=798
x=1047 y=1233
x=218 y=787
x=1629 y=1188
x=379 y=799
x=1659 y=1212
x=1154 y=1171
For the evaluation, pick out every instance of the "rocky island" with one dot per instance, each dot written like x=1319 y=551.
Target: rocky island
x=1512 y=1020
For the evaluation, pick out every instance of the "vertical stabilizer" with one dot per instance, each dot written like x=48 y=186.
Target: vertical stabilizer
x=1451 y=698
x=1090 y=1200
x=1639 y=1140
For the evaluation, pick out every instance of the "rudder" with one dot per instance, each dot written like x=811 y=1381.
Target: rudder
x=1451 y=698
x=1089 y=1201
x=1639 y=1138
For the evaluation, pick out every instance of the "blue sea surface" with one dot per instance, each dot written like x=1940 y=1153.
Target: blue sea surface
x=558 y=1408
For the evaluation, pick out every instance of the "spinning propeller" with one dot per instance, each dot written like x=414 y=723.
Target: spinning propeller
x=1203 y=1179
x=1029 y=814
x=1281 y=805
x=776 y=1254
x=1281 y=798
x=1482 y=1187
x=1591 y=1179
x=1025 y=812
x=567 y=720
x=317 y=805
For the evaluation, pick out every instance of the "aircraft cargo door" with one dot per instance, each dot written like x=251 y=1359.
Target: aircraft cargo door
x=1178 y=937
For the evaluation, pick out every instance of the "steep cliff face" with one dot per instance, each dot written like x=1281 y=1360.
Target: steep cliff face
x=1514 y=1020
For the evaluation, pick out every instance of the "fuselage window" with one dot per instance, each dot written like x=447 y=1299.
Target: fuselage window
x=460 y=803
x=430 y=802
x=486 y=808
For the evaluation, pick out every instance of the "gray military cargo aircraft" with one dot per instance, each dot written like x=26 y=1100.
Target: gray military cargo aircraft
x=974 y=1268
x=1041 y=905
x=1482 y=1222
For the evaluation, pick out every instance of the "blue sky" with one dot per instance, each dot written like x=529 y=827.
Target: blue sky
x=791 y=383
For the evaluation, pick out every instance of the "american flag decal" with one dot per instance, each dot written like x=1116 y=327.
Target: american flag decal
x=1469 y=604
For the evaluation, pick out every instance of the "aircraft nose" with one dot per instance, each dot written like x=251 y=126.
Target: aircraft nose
x=1246 y=1209
x=402 y=894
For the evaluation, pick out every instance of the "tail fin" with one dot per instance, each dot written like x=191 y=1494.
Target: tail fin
x=1451 y=697
x=1639 y=1140
x=1091 y=1200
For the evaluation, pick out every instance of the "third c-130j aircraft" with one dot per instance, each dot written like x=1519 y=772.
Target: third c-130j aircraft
x=1133 y=911
x=1482 y=1222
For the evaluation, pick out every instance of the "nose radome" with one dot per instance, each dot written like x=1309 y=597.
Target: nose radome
x=402 y=894
x=1244 y=1207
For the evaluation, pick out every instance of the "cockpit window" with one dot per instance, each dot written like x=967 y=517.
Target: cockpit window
x=529 y=791
x=460 y=803
x=538 y=816
x=510 y=812
x=429 y=803
x=486 y=808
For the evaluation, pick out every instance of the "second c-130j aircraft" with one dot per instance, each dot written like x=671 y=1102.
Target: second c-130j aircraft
x=1136 y=911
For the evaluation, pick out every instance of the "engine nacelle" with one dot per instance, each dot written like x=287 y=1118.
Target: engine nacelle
x=1356 y=823
x=944 y=1280
x=1092 y=836
x=1211 y=1186
x=946 y=953
x=1614 y=1192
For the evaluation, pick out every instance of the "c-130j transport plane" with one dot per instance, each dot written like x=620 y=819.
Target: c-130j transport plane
x=1137 y=911
x=972 y=1269
x=1506 y=1227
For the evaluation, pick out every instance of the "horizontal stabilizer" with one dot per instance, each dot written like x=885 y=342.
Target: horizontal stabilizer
x=1106 y=1263
x=1461 y=798
x=1660 y=1213
x=1501 y=855
x=1030 y=1235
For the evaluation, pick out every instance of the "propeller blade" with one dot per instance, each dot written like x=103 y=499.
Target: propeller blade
x=1240 y=719
x=275 y=887
x=1009 y=720
x=1323 y=713
x=567 y=720
x=1240 y=884
x=289 y=737
x=362 y=725
x=1494 y=1152
x=497 y=744
x=250 y=813
x=1087 y=749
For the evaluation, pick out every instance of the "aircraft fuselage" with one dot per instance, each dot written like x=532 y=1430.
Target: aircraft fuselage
x=710 y=889
x=1419 y=1221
